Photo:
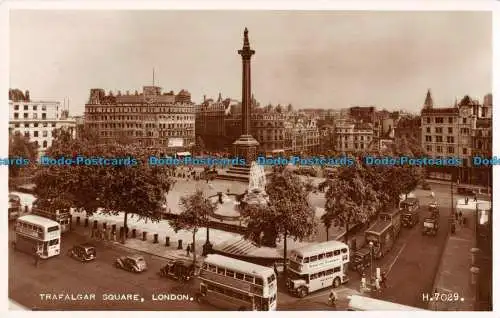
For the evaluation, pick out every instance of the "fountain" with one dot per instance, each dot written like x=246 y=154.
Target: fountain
x=228 y=203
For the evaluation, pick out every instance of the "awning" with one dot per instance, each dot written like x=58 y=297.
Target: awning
x=184 y=154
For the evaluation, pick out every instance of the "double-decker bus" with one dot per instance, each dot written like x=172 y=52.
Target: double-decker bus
x=63 y=217
x=317 y=266
x=38 y=234
x=237 y=285
x=15 y=206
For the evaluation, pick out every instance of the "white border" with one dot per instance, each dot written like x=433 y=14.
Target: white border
x=422 y=5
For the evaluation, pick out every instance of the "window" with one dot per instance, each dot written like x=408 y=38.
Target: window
x=212 y=268
x=464 y=150
x=35 y=133
x=450 y=139
x=313 y=276
x=25 y=115
x=336 y=269
x=306 y=260
x=229 y=273
x=329 y=254
x=221 y=271
x=336 y=252
x=271 y=279
x=26 y=125
x=464 y=120
x=34 y=107
x=451 y=149
x=16 y=125
x=53 y=124
x=450 y=120
x=344 y=250
x=450 y=130
x=44 y=116
x=314 y=258
x=25 y=107
x=35 y=116
x=439 y=130
x=439 y=120
x=321 y=256
x=53 y=242
x=249 y=278
x=44 y=108
x=329 y=272
x=240 y=276
x=428 y=130
x=16 y=107
x=439 y=149
x=44 y=133
x=439 y=138
x=428 y=120
x=259 y=281
x=27 y=134
x=53 y=228
x=428 y=138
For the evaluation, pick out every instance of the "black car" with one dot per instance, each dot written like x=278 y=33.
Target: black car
x=178 y=269
x=131 y=263
x=83 y=252
x=361 y=259
x=409 y=218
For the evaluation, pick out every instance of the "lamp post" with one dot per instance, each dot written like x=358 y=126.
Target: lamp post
x=371 y=262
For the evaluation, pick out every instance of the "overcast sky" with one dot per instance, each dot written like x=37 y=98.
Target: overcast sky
x=310 y=59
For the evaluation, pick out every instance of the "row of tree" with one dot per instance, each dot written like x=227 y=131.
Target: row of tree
x=353 y=194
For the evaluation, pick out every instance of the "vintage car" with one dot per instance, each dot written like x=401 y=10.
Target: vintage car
x=178 y=269
x=83 y=252
x=361 y=260
x=434 y=207
x=431 y=224
x=409 y=204
x=409 y=218
x=132 y=263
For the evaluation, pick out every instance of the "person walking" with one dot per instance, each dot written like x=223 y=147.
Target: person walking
x=37 y=258
x=188 y=250
x=276 y=270
x=383 y=280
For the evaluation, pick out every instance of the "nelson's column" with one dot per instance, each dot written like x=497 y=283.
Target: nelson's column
x=246 y=145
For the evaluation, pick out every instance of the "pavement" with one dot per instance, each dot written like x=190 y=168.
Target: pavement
x=453 y=276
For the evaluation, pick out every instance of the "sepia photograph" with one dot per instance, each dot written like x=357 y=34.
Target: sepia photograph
x=169 y=160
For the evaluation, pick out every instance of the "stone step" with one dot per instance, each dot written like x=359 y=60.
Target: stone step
x=233 y=177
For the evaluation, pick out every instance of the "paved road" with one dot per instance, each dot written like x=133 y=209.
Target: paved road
x=411 y=267
x=63 y=275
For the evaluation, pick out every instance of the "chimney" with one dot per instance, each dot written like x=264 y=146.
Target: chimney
x=27 y=96
x=204 y=98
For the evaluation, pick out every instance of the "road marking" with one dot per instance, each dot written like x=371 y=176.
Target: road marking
x=395 y=259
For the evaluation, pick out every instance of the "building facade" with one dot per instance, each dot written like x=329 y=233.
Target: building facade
x=37 y=120
x=351 y=137
x=455 y=132
x=152 y=119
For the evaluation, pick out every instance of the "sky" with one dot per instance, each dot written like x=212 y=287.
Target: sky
x=311 y=59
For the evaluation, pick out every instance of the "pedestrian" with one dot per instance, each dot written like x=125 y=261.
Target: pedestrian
x=37 y=258
x=460 y=218
x=332 y=298
x=363 y=283
x=432 y=194
x=377 y=284
x=188 y=250
x=276 y=270
x=475 y=197
x=383 y=280
x=466 y=200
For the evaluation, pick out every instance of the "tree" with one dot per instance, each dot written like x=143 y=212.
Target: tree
x=21 y=147
x=287 y=213
x=136 y=188
x=195 y=212
x=350 y=198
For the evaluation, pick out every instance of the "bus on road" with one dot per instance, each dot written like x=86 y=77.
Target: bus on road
x=318 y=266
x=237 y=285
x=38 y=234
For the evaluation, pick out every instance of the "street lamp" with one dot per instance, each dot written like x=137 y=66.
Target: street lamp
x=371 y=262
